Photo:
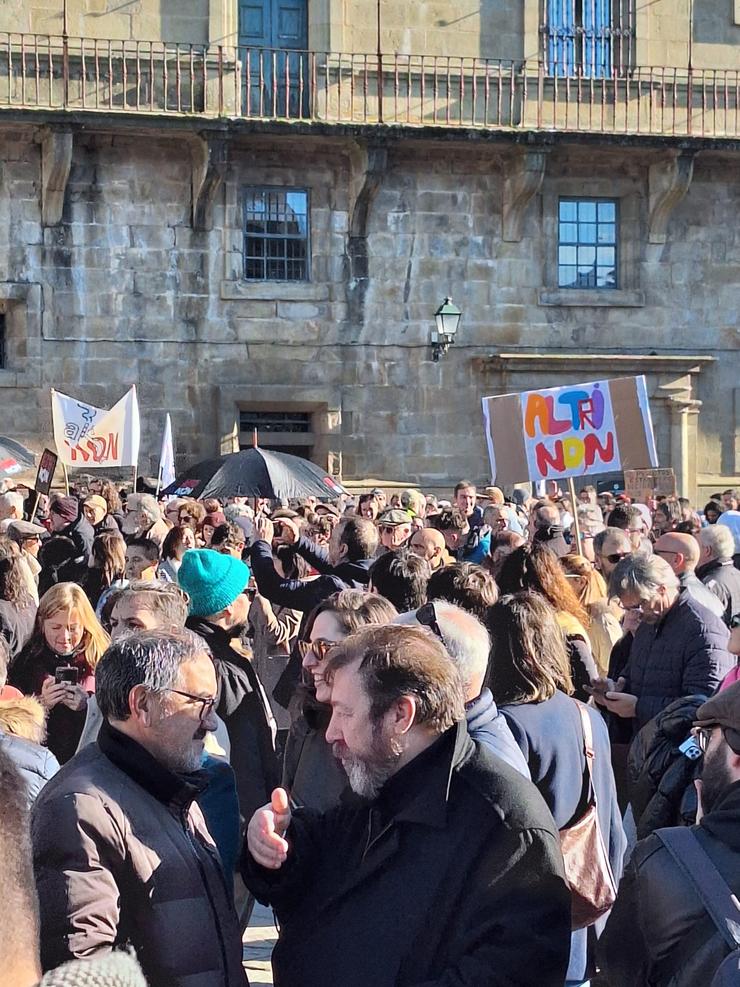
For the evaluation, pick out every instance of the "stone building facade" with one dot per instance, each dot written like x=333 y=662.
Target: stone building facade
x=123 y=252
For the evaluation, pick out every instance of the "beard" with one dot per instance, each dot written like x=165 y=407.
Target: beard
x=369 y=771
x=715 y=778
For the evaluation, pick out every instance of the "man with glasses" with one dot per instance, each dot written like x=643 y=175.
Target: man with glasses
x=682 y=553
x=122 y=854
x=27 y=537
x=659 y=931
x=679 y=648
x=610 y=546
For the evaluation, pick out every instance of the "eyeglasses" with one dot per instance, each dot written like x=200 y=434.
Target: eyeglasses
x=664 y=551
x=427 y=617
x=702 y=736
x=386 y=529
x=638 y=608
x=320 y=648
x=206 y=702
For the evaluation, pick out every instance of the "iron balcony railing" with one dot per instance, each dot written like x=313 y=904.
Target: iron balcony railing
x=38 y=72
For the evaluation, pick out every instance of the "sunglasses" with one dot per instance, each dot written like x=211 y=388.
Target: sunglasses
x=427 y=617
x=320 y=648
x=386 y=529
x=616 y=557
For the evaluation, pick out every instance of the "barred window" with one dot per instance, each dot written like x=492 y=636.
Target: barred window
x=276 y=234
x=587 y=243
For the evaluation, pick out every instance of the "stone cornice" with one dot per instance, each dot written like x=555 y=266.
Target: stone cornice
x=632 y=363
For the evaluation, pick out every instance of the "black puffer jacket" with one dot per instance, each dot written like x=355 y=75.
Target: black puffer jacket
x=722 y=578
x=661 y=777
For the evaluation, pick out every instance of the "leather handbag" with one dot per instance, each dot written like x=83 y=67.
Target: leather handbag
x=587 y=869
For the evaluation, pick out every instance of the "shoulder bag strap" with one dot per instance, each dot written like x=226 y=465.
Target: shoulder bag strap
x=715 y=895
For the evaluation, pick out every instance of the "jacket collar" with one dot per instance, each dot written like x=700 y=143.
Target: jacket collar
x=712 y=566
x=215 y=635
x=723 y=820
x=419 y=792
x=165 y=786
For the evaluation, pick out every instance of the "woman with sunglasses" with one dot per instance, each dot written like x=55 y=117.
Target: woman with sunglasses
x=605 y=628
x=733 y=646
x=311 y=774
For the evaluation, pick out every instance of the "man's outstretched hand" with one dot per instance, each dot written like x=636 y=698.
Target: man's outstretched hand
x=266 y=831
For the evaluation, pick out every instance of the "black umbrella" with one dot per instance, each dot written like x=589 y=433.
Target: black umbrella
x=255 y=473
x=14 y=458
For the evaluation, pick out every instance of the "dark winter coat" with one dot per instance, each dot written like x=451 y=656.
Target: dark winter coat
x=722 y=578
x=453 y=875
x=553 y=536
x=684 y=654
x=64 y=725
x=312 y=776
x=694 y=586
x=16 y=625
x=661 y=777
x=243 y=707
x=658 y=926
x=550 y=736
x=487 y=725
x=122 y=854
x=303 y=595
x=70 y=548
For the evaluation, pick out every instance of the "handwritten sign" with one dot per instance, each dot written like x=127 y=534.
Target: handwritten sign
x=577 y=430
x=95 y=437
x=642 y=485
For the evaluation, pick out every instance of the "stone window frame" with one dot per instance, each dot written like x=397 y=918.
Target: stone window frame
x=22 y=305
x=234 y=287
x=629 y=238
x=303 y=190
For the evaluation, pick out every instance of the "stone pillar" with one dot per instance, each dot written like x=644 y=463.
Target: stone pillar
x=223 y=23
x=684 y=430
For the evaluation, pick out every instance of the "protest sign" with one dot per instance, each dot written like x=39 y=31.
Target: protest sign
x=577 y=430
x=94 y=437
x=643 y=485
x=45 y=475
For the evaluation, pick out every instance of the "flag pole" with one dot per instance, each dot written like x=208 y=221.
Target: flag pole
x=66 y=478
x=576 y=523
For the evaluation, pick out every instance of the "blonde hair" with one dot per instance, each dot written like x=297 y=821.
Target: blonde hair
x=589 y=584
x=24 y=718
x=70 y=597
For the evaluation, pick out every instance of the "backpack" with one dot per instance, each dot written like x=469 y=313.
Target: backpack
x=718 y=900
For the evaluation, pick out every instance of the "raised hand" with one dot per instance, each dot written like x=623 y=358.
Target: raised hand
x=266 y=831
x=264 y=529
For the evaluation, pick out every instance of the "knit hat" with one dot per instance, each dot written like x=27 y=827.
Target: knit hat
x=67 y=508
x=211 y=580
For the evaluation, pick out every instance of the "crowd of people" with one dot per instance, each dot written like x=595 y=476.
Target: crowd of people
x=490 y=740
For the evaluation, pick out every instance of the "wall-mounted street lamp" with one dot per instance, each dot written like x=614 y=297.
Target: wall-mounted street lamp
x=446 y=319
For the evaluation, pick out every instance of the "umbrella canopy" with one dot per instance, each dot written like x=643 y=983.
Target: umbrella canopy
x=14 y=458
x=255 y=473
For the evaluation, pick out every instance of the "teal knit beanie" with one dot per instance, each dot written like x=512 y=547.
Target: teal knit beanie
x=211 y=580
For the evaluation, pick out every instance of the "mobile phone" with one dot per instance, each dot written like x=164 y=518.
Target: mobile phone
x=690 y=749
x=69 y=674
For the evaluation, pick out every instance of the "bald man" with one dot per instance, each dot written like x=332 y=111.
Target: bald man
x=682 y=553
x=429 y=544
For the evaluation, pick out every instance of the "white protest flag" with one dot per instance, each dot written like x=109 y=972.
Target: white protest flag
x=167 y=457
x=96 y=438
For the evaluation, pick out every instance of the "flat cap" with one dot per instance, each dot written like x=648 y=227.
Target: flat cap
x=723 y=710
x=18 y=530
x=394 y=516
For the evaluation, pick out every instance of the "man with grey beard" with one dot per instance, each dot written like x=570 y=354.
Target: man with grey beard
x=121 y=850
x=447 y=869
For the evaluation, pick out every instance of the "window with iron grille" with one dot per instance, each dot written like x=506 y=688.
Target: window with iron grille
x=587 y=243
x=276 y=234
x=593 y=39
x=275 y=421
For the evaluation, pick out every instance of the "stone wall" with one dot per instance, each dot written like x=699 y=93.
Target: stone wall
x=124 y=291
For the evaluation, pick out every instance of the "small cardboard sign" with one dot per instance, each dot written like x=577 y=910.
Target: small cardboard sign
x=45 y=474
x=642 y=485
x=557 y=432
